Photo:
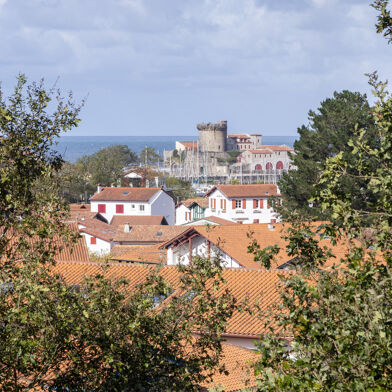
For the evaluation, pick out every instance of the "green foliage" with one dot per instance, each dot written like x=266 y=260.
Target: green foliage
x=105 y=167
x=328 y=133
x=334 y=325
x=101 y=334
x=384 y=24
x=148 y=156
x=181 y=189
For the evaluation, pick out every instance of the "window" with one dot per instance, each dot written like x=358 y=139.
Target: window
x=238 y=204
x=133 y=206
x=141 y=207
x=255 y=221
x=255 y=203
x=119 y=208
x=93 y=241
x=102 y=208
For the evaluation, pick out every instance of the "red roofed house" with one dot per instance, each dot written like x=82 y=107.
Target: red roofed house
x=243 y=203
x=110 y=201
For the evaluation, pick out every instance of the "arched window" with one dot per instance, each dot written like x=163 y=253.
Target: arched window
x=258 y=167
x=269 y=166
x=279 y=165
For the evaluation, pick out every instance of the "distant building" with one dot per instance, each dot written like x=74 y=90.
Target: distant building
x=243 y=203
x=243 y=142
x=111 y=201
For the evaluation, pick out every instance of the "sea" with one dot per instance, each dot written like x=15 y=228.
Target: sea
x=73 y=147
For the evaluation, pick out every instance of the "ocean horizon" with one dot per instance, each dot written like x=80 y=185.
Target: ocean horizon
x=72 y=148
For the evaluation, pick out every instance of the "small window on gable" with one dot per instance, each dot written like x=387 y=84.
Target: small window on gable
x=119 y=208
x=102 y=208
x=93 y=240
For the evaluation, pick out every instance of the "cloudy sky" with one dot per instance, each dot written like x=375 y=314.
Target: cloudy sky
x=158 y=67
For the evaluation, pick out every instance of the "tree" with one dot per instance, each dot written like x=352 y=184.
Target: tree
x=148 y=156
x=339 y=319
x=181 y=189
x=384 y=24
x=105 y=167
x=102 y=335
x=329 y=130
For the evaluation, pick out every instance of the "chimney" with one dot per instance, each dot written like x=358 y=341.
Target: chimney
x=99 y=188
x=127 y=228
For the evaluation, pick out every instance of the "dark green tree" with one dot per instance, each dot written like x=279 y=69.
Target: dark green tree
x=329 y=130
x=181 y=189
x=148 y=156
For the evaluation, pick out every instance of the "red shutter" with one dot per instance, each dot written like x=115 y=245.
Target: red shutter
x=254 y=203
x=119 y=208
x=221 y=200
x=268 y=205
x=102 y=208
x=233 y=204
x=224 y=204
x=261 y=203
x=93 y=240
x=244 y=204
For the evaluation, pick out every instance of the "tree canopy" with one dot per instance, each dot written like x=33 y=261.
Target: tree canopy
x=98 y=334
x=329 y=130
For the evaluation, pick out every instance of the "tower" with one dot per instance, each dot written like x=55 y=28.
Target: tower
x=212 y=137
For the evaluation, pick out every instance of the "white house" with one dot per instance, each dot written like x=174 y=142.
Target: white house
x=98 y=235
x=112 y=201
x=229 y=242
x=244 y=203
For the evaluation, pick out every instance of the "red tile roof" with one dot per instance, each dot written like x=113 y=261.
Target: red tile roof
x=125 y=194
x=190 y=145
x=139 y=254
x=139 y=234
x=118 y=220
x=214 y=219
x=237 y=361
x=261 y=286
x=276 y=148
x=98 y=229
x=201 y=201
x=252 y=190
x=239 y=135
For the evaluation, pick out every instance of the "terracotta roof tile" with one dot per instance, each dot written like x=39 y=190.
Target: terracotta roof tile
x=118 y=220
x=148 y=233
x=251 y=190
x=201 y=201
x=190 y=145
x=261 y=286
x=125 y=194
x=260 y=151
x=237 y=362
x=276 y=148
x=139 y=254
x=98 y=229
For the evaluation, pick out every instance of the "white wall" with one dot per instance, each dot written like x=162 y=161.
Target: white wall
x=163 y=204
x=100 y=248
x=130 y=208
x=180 y=214
x=244 y=215
x=180 y=254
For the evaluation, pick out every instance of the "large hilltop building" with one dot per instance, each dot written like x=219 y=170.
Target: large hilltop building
x=224 y=156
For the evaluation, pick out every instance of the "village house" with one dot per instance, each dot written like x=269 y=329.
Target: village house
x=243 y=142
x=98 y=235
x=244 y=203
x=191 y=209
x=266 y=158
x=230 y=243
x=111 y=201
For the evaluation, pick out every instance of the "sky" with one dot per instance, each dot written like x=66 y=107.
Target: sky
x=159 y=67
